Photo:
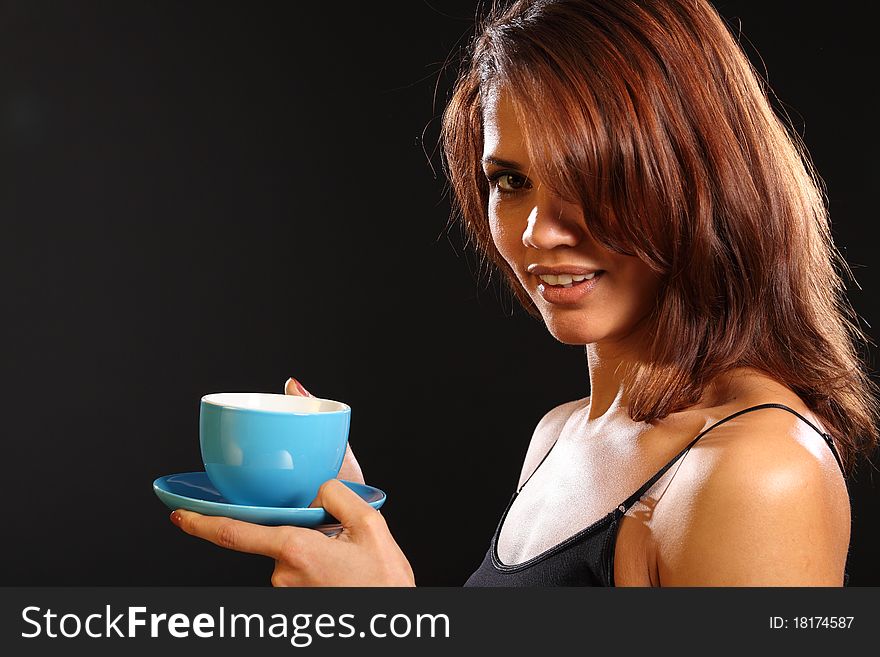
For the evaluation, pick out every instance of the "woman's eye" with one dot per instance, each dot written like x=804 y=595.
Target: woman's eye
x=509 y=183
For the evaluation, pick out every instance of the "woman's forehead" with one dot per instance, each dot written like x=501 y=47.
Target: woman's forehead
x=503 y=137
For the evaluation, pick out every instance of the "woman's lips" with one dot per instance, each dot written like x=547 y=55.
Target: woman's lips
x=557 y=294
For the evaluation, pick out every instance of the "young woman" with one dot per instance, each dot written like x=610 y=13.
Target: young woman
x=619 y=163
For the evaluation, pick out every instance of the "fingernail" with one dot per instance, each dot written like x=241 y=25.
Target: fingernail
x=299 y=386
x=175 y=518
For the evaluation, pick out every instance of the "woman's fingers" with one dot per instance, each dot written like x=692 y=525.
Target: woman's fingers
x=234 y=534
x=365 y=553
x=347 y=507
x=351 y=469
x=295 y=388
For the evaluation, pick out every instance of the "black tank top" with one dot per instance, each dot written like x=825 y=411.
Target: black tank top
x=587 y=557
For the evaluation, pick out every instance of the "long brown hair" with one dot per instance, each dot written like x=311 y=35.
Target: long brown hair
x=648 y=114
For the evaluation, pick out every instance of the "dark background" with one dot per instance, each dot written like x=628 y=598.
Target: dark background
x=205 y=196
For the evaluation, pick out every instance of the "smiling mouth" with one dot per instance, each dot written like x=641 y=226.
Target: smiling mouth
x=567 y=280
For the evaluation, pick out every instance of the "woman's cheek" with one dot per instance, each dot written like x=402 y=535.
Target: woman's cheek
x=509 y=244
x=500 y=235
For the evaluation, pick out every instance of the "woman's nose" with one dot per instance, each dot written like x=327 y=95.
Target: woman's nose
x=552 y=222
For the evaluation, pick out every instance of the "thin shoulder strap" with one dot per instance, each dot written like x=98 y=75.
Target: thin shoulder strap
x=539 y=465
x=826 y=436
x=632 y=499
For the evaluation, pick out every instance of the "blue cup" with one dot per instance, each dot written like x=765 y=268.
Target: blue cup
x=262 y=449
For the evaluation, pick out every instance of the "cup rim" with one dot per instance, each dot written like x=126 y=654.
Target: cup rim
x=345 y=408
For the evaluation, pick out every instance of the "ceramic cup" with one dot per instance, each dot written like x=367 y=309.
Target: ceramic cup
x=262 y=449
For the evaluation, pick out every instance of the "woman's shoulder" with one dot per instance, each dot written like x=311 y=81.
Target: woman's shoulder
x=767 y=436
x=545 y=434
x=758 y=500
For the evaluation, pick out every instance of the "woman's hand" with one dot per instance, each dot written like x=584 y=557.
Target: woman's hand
x=350 y=470
x=363 y=554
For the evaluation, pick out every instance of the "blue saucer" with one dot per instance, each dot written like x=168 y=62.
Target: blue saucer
x=193 y=491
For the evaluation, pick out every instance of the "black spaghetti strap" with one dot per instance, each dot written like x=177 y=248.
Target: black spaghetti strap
x=632 y=499
x=538 y=466
x=826 y=436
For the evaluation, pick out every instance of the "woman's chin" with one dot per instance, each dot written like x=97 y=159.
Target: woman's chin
x=568 y=334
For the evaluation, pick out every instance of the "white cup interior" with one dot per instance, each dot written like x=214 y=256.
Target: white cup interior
x=264 y=401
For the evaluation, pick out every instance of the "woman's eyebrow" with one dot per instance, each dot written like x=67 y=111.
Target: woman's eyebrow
x=507 y=164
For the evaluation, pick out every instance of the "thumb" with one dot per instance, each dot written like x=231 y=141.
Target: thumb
x=295 y=388
x=349 y=508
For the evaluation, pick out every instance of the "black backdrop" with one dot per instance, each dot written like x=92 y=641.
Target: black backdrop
x=206 y=196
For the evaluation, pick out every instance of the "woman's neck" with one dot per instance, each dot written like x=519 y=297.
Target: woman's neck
x=608 y=363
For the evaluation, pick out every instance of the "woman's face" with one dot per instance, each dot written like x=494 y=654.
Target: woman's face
x=542 y=237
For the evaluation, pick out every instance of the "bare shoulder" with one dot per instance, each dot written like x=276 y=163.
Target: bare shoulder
x=761 y=502
x=545 y=434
